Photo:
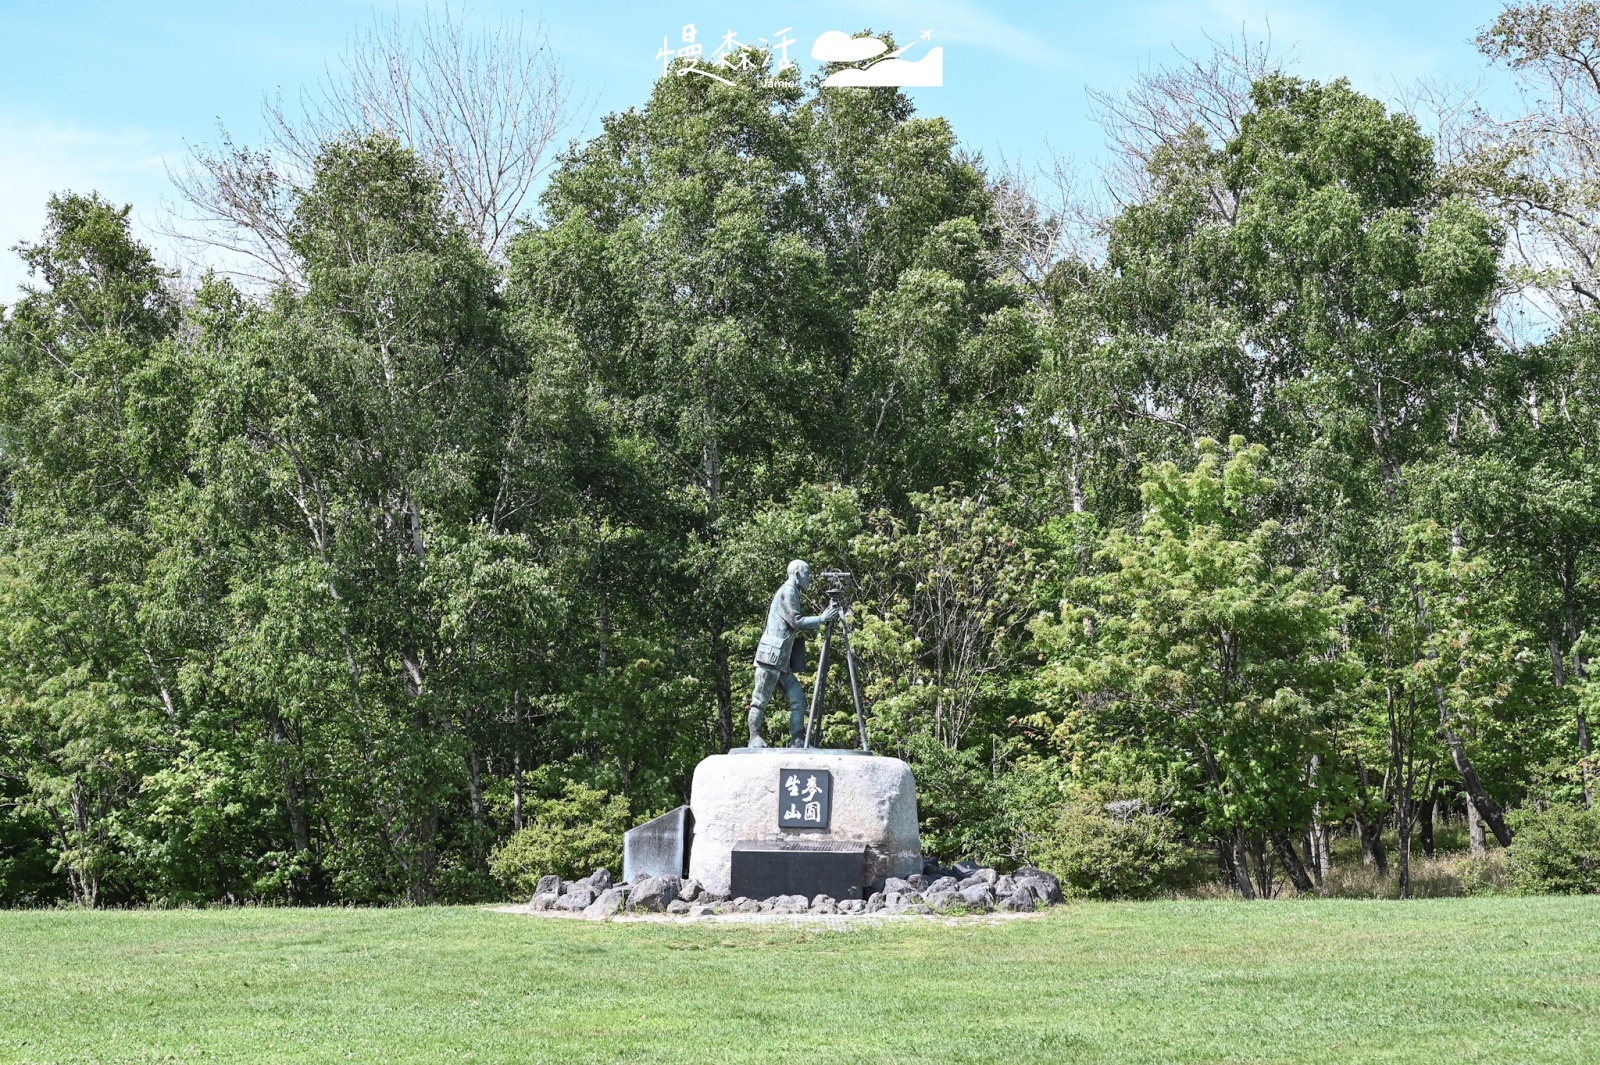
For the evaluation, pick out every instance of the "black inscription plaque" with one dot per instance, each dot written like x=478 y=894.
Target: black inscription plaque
x=764 y=868
x=805 y=798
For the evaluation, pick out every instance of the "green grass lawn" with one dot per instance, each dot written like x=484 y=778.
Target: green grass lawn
x=1446 y=980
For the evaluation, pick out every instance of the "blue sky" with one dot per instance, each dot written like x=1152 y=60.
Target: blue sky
x=104 y=95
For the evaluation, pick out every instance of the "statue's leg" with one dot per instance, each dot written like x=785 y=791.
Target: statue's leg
x=766 y=677
x=797 y=709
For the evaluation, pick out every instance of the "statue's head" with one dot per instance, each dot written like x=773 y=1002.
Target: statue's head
x=800 y=573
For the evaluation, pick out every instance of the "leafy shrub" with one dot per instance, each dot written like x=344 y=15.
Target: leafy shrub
x=1556 y=851
x=571 y=836
x=1099 y=856
x=974 y=805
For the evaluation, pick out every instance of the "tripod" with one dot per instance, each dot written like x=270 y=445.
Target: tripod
x=835 y=595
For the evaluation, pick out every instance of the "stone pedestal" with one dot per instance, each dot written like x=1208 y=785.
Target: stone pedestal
x=735 y=799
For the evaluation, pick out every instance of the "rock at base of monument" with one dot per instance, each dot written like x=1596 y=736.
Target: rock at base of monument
x=607 y=904
x=548 y=885
x=653 y=894
x=691 y=891
x=978 y=897
x=763 y=869
x=659 y=847
x=896 y=885
x=875 y=903
x=1004 y=885
x=576 y=900
x=824 y=904
x=544 y=900
x=1044 y=884
x=941 y=901
x=852 y=906
x=787 y=904
x=944 y=883
x=678 y=907
x=747 y=906
x=701 y=909
x=1019 y=901
x=600 y=880
x=900 y=901
x=964 y=868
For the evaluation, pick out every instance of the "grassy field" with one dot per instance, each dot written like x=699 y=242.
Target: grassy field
x=1444 y=980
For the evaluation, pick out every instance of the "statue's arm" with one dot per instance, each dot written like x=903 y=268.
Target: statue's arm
x=791 y=610
x=809 y=623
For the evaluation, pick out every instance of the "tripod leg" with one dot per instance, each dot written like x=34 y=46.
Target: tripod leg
x=855 y=686
x=822 y=680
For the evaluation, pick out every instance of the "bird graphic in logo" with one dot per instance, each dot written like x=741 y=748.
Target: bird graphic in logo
x=890 y=70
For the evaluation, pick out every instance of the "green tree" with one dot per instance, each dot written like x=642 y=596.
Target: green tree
x=88 y=386
x=946 y=605
x=771 y=288
x=1195 y=644
x=1310 y=283
x=372 y=450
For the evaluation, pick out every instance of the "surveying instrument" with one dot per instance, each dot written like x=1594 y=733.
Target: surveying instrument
x=838 y=582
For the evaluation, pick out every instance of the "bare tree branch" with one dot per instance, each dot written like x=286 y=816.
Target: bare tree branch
x=1044 y=219
x=1540 y=170
x=1200 y=97
x=1448 y=113
x=481 y=107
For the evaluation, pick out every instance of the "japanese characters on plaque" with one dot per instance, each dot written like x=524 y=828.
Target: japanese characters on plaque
x=805 y=798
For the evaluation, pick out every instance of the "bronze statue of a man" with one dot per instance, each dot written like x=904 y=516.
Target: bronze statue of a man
x=780 y=655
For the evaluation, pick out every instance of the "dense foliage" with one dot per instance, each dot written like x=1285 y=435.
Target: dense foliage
x=423 y=573
x=1100 y=854
x=1557 y=851
x=569 y=836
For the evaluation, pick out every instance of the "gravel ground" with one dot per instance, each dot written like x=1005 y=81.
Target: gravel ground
x=797 y=920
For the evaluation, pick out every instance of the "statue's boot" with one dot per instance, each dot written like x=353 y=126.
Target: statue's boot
x=756 y=720
x=797 y=728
